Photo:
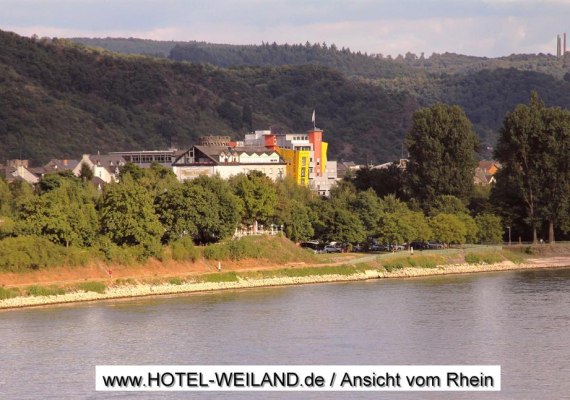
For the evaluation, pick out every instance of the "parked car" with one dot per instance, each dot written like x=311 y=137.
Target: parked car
x=313 y=245
x=332 y=249
x=419 y=245
x=358 y=248
x=435 y=245
x=397 y=247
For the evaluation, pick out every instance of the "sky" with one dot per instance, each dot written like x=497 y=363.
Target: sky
x=490 y=28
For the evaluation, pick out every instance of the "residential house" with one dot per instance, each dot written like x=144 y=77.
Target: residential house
x=105 y=167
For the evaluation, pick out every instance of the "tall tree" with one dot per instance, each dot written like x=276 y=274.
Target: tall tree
x=533 y=148
x=442 y=146
x=128 y=217
x=258 y=195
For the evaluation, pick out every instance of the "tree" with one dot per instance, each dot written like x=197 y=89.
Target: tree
x=85 y=173
x=128 y=217
x=258 y=196
x=367 y=207
x=490 y=228
x=515 y=150
x=65 y=215
x=533 y=148
x=446 y=204
x=5 y=198
x=297 y=223
x=340 y=225
x=448 y=229
x=203 y=209
x=384 y=181
x=442 y=146
x=471 y=227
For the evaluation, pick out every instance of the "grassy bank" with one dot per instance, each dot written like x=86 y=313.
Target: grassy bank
x=463 y=260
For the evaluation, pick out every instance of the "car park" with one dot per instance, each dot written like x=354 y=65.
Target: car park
x=332 y=249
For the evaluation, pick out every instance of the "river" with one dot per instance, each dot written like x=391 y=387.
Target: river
x=519 y=320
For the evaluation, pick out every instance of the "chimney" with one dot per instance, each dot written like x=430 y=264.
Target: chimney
x=564 y=44
x=558 y=46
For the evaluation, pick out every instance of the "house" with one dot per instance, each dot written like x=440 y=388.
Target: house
x=485 y=171
x=228 y=161
x=105 y=167
x=56 y=165
x=345 y=168
x=18 y=169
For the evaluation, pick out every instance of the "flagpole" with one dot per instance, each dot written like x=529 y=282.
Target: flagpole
x=314 y=121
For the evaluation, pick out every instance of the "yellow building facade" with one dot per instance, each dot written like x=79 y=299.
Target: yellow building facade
x=297 y=164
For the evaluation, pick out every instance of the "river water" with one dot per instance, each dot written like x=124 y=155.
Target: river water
x=519 y=320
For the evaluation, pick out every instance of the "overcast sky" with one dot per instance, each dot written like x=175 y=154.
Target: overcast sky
x=489 y=28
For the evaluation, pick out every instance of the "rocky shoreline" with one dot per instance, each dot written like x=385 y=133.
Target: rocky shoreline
x=141 y=290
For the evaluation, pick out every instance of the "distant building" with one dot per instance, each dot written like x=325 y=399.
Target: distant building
x=144 y=158
x=401 y=164
x=344 y=168
x=228 y=161
x=18 y=169
x=105 y=167
x=305 y=155
x=56 y=165
x=485 y=171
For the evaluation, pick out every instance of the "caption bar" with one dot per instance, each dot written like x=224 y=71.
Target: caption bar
x=298 y=378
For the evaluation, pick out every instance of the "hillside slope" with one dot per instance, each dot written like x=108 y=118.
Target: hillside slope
x=60 y=100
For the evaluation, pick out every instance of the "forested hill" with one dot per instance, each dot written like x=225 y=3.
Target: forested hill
x=343 y=60
x=60 y=100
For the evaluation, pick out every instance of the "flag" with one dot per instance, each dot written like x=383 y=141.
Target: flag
x=313 y=118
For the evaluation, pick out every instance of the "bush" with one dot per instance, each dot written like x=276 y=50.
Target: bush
x=119 y=255
x=97 y=287
x=183 y=249
x=8 y=293
x=471 y=258
x=220 y=277
x=30 y=252
x=44 y=291
x=175 y=281
x=492 y=258
x=392 y=265
x=218 y=252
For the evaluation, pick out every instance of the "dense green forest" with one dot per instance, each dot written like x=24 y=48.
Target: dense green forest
x=61 y=99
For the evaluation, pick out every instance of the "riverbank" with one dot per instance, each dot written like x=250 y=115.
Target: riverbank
x=250 y=280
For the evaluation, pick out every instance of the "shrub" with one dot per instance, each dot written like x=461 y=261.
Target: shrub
x=183 y=249
x=492 y=258
x=392 y=265
x=44 y=291
x=8 y=293
x=175 y=281
x=220 y=277
x=218 y=252
x=97 y=287
x=471 y=258
x=123 y=255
